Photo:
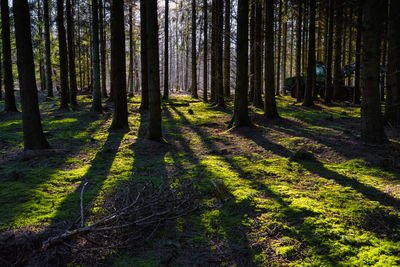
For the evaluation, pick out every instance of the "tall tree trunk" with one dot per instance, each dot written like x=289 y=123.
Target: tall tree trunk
x=270 y=110
x=337 y=74
x=130 y=71
x=205 y=72
x=257 y=101
x=96 y=105
x=47 y=49
x=227 y=49
x=299 y=89
x=118 y=74
x=166 y=54
x=102 y=50
x=252 y=48
x=32 y=127
x=194 y=51
x=392 y=113
x=285 y=32
x=240 y=114
x=328 y=80
x=62 y=47
x=308 y=98
x=371 y=118
x=154 y=130
x=40 y=48
x=219 y=52
x=214 y=30
x=279 y=41
x=357 y=87
x=9 y=96
x=143 y=56
x=71 y=54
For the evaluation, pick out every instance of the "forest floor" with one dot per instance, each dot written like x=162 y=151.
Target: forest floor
x=299 y=190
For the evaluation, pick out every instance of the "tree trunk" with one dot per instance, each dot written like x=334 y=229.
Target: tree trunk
x=270 y=110
x=9 y=96
x=310 y=87
x=328 y=80
x=285 y=32
x=194 y=51
x=32 y=127
x=102 y=50
x=227 y=49
x=96 y=105
x=118 y=74
x=371 y=119
x=392 y=115
x=252 y=49
x=205 y=74
x=130 y=71
x=240 y=113
x=219 y=53
x=47 y=51
x=62 y=47
x=299 y=90
x=71 y=54
x=257 y=101
x=166 y=54
x=337 y=74
x=357 y=89
x=143 y=56
x=154 y=129
x=278 y=64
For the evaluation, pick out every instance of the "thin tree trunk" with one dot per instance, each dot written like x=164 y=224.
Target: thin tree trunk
x=194 y=51
x=252 y=49
x=299 y=90
x=143 y=56
x=337 y=74
x=257 y=101
x=328 y=81
x=62 y=47
x=227 y=49
x=279 y=41
x=219 y=56
x=102 y=50
x=47 y=49
x=71 y=54
x=130 y=71
x=9 y=96
x=32 y=127
x=166 y=54
x=308 y=98
x=270 y=110
x=205 y=72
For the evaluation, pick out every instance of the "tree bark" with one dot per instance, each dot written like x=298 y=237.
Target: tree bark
x=252 y=49
x=205 y=72
x=9 y=96
x=96 y=105
x=194 y=51
x=337 y=74
x=62 y=47
x=240 y=113
x=279 y=41
x=270 y=111
x=257 y=101
x=308 y=96
x=299 y=90
x=219 y=53
x=328 y=80
x=71 y=54
x=130 y=71
x=102 y=50
x=371 y=118
x=227 y=49
x=143 y=56
x=118 y=74
x=154 y=130
x=32 y=127
x=357 y=88
x=47 y=49
x=166 y=54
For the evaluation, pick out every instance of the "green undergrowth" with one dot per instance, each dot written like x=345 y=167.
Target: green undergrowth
x=254 y=209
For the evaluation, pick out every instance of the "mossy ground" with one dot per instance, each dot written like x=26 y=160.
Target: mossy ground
x=341 y=208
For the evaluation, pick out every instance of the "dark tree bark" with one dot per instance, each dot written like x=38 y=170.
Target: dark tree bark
x=166 y=54
x=227 y=49
x=329 y=53
x=337 y=74
x=240 y=113
x=194 y=51
x=285 y=32
x=154 y=130
x=205 y=72
x=357 y=87
x=219 y=53
x=252 y=48
x=96 y=105
x=32 y=127
x=270 y=110
x=62 y=47
x=279 y=41
x=143 y=56
x=213 y=94
x=71 y=54
x=131 y=53
x=47 y=49
x=371 y=118
x=298 y=93
x=392 y=114
x=40 y=48
x=9 y=96
x=257 y=101
x=310 y=87
x=102 y=50
x=118 y=75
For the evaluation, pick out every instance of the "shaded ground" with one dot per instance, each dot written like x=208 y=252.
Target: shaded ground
x=340 y=208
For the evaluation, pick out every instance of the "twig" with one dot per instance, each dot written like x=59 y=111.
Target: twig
x=82 y=209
